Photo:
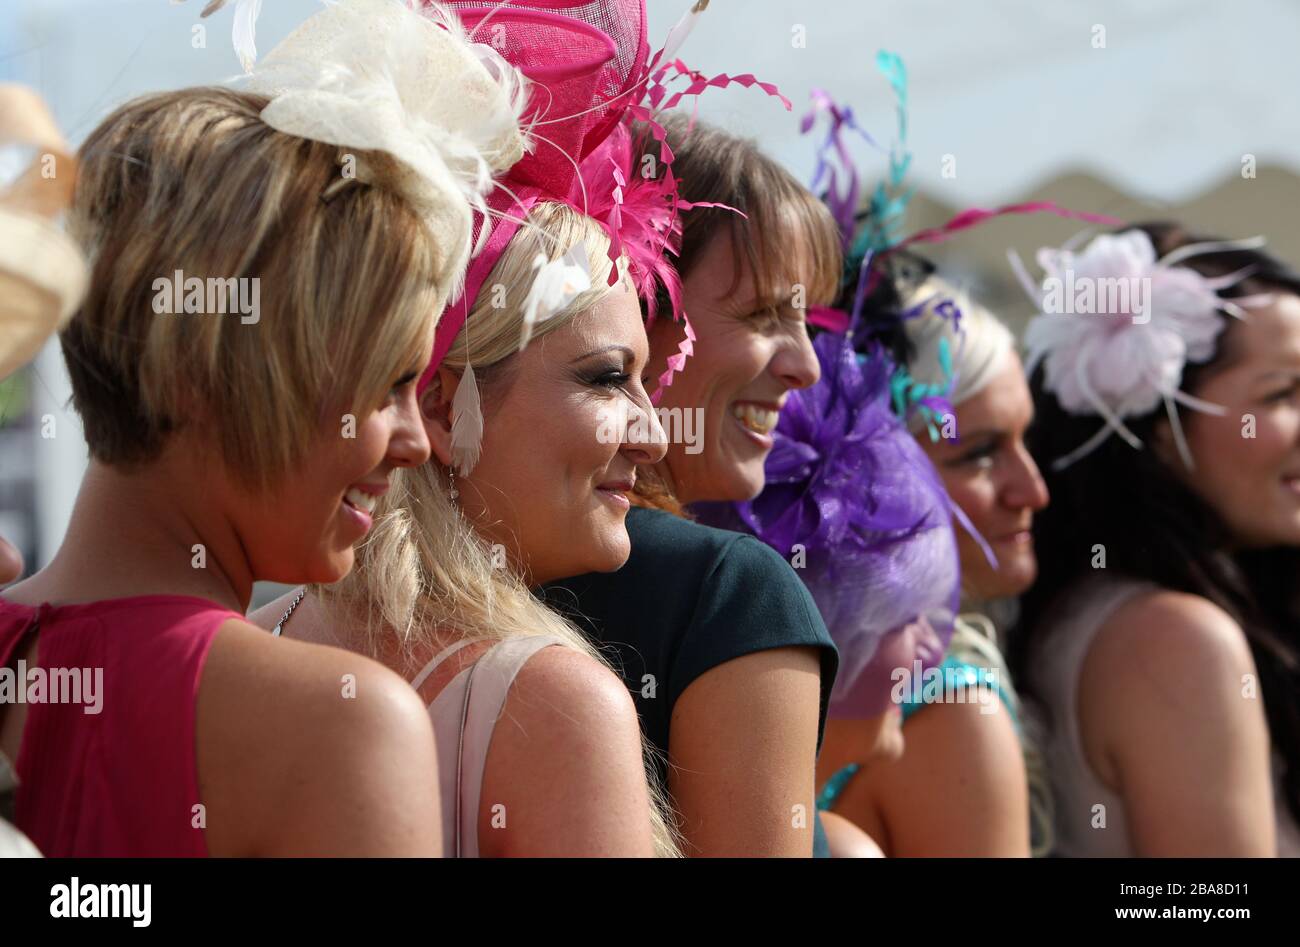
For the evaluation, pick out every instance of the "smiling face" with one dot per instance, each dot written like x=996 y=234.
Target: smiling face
x=989 y=474
x=1248 y=459
x=305 y=527
x=749 y=353
x=565 y=427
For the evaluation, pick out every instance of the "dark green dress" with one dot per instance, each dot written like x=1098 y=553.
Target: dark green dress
x=690 y=598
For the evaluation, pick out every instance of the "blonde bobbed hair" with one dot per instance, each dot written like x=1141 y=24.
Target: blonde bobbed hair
x=194 y=181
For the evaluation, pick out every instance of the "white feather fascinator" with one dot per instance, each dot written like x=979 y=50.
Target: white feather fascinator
x=377 y=76
x=1117 y=327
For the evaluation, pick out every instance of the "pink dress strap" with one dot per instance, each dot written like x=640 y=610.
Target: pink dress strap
x=107 y=765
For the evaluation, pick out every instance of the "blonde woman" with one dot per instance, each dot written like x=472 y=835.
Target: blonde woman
x=960 y=788
x=236 y=438
x=539 y=743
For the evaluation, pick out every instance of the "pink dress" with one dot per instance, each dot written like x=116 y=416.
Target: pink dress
x=120 y=780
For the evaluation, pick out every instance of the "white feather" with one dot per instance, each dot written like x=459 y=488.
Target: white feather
x=466 y=424
x=682 y=29
x=555 y=285
x=244 y=32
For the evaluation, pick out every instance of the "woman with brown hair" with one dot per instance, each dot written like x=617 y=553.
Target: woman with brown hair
x=721 y=645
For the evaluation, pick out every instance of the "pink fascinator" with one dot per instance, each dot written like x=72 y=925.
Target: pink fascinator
x=591 y=76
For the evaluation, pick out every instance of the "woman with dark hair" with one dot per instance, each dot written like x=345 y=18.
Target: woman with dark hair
x=1160 y=635
x=727 y=658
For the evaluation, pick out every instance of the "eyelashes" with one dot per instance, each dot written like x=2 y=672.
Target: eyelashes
x=978 y=456
x=402 y=384
x=767 y=318
x=610 y=380
x=410 y=378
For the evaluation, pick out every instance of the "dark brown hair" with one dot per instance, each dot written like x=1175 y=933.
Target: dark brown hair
x=714 y=165
x=1155 y=528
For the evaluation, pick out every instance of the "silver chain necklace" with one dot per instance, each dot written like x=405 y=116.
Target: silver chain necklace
x=289 y=611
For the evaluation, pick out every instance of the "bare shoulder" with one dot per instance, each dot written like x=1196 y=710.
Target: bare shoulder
x=301 y=699
x=964 y=758
x=573 y=691
x=1159 y=641
x=1164 y=666
x=287 y=671
x=1170 y=717
x=977 y=732
x=565 y=762
x=278 y=719
x=958 y=790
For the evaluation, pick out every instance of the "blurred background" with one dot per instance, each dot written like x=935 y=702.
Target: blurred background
x=1168 y=108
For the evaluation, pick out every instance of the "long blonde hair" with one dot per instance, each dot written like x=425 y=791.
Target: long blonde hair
x=424 y=570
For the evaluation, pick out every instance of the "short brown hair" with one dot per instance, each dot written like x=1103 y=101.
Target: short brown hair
x=714 y=165
x=194 y=181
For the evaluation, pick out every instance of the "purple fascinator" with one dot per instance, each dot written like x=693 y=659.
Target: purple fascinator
x=853 y=503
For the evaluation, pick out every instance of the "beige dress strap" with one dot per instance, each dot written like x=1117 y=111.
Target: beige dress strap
x=438 y=658
x=464 y=715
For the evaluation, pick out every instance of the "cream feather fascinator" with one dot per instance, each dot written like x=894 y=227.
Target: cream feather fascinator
x=374 y=76
x=43 y=274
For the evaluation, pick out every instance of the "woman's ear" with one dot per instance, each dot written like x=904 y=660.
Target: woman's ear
x=435 y=411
